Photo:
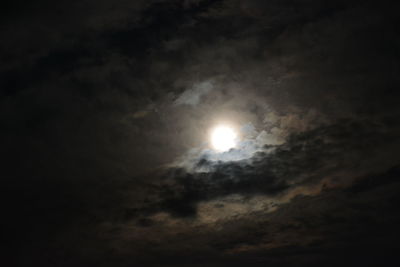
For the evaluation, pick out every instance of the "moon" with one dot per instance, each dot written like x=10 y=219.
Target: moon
x=223 y=138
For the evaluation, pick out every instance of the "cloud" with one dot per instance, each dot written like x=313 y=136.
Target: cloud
x=98 y=99
x=306 y=164
x=311 y=228
x=193 y=95
x=246 y=147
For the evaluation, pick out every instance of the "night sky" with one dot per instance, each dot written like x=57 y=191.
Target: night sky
x=107 y=110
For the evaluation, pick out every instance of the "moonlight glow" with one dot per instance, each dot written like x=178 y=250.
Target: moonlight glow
x=223 y=138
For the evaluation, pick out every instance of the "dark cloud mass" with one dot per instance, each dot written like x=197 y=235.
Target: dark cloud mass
x=106 y=112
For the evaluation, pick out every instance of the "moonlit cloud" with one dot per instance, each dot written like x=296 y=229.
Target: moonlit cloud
x=246 y=147
x=106 y=112
x=192 y=96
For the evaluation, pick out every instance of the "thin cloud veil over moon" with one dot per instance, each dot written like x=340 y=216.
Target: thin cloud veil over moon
x=188 y=133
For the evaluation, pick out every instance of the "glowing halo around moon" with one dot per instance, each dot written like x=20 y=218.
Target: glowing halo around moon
x=223 y=138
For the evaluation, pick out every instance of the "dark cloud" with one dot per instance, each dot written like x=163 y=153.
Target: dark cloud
x=105 y=110
x=328 y=155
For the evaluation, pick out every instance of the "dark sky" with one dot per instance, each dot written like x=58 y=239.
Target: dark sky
x=106 y=109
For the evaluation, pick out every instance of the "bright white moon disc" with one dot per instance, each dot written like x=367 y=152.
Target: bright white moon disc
x=223 y=138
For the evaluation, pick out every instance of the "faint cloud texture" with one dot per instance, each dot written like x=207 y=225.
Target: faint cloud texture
x=193 y=95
